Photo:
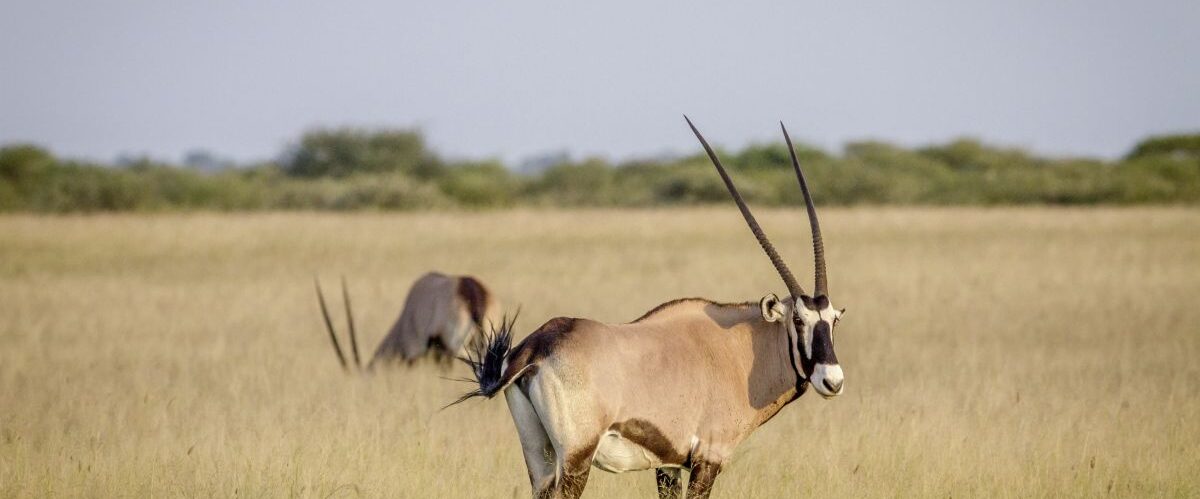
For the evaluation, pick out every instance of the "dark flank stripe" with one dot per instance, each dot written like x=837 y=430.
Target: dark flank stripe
x=645 y=434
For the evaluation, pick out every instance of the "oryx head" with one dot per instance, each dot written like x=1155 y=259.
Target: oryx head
x=808 y=319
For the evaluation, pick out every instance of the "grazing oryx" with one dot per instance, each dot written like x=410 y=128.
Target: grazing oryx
x=679 y=387
x=443 y=316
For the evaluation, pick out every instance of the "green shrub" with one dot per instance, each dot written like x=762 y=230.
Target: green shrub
x=346 y=151
x=1179 y=146
x=479 y=185
x=588 y=183
x=351 y=169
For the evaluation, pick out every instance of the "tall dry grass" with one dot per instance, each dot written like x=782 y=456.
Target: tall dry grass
x=988 y=352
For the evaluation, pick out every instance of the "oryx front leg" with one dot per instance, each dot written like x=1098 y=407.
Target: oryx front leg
x=701 y=480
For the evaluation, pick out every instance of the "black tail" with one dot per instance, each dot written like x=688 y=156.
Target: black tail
x=487 y=359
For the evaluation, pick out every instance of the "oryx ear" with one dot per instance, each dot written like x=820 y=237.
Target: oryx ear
x=772 y=309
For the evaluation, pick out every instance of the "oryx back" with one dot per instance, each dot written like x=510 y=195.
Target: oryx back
x=442 y=314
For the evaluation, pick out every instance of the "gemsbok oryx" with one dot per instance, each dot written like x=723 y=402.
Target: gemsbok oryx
x=679 y=387
x=443 y=316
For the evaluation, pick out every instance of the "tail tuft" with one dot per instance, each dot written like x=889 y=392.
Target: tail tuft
x=486 y=360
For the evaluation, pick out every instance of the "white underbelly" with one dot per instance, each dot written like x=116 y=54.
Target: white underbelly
x=617 y=454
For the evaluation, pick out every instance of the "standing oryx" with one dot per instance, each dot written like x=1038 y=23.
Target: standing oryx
x=680 y=387
x=443 y=315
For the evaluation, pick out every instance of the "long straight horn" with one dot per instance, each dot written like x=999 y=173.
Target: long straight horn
x=350 y=323
x=337 y=348
x=822 y=282
x=790 y=281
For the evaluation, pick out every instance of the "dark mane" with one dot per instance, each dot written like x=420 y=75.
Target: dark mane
x=677 y=301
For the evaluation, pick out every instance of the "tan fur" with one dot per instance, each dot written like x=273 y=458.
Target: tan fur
x=698 y=376
x=434 y=315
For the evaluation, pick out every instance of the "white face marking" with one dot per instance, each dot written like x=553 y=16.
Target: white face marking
x=827 y=372
x=831 y=373
x=808 y=319
x=795 y=353
x=821 y=372
x=830 y=315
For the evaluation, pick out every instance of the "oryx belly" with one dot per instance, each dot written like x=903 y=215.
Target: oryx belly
x=617 y=454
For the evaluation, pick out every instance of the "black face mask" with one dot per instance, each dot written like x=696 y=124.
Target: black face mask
x=805 y=365
x=822 y=345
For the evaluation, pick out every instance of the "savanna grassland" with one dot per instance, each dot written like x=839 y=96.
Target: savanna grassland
x=1007 y=352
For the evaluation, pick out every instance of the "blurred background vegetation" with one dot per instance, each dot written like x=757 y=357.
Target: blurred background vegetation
x=356 y=169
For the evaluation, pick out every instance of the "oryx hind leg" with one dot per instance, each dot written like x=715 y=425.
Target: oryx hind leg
x=574 y=438
x=535 y=443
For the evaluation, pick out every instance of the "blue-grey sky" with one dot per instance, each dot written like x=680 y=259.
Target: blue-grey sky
x=518 y=78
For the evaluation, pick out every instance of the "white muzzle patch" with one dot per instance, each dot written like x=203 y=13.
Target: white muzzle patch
x=827 y=379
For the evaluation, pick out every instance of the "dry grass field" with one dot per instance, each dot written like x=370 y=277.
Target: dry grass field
x=1006 y=352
